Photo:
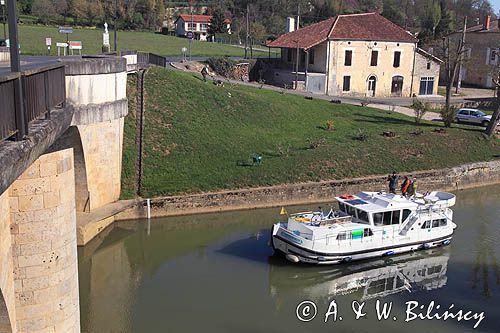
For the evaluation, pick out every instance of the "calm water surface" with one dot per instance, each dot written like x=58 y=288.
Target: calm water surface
x=216 y=273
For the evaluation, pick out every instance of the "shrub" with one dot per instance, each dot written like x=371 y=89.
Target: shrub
x=360 y=135
x=448 y=115
x=420 y=108
x=329 y=125
x=222 y=65
x=315 y=143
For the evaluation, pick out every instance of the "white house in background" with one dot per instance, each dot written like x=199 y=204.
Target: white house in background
x=354 y=55
x=198 y=24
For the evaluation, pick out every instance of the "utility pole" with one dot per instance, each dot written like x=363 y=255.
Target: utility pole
x=247 y=34
x=15 y=66
x=461 y=57
x=192 y=32
x=298 y=16
x=2 y=2
x=297 y=66
x=114 y=27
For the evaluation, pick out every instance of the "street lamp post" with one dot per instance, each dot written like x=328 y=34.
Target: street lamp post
x=115 y=39
x=15 y=66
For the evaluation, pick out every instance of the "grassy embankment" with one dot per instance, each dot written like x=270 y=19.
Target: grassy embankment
x=32 y=40
x=196 y=132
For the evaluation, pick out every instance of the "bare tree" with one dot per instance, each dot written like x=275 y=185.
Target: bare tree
x=495 y=118
x=453 y=55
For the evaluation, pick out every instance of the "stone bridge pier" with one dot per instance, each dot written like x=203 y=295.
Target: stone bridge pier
x=69 y=166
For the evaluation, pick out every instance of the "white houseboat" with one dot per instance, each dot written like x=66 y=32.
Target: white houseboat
x=367 y=225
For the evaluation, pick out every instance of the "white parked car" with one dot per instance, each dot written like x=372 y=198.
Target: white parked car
x=472 y=116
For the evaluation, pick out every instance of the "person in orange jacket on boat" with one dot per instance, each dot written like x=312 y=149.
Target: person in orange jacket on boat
x=405 y=185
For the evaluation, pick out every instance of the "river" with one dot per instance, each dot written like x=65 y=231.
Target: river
x=217 y=273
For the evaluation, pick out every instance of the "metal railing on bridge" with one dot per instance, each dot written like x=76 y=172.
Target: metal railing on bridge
x=142 y=59
x=43 y=89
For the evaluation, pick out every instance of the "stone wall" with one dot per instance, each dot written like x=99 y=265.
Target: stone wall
x=465 y=176
x=96 y=89
x=421 y=71
x=7 y=301
x=102 y=146
x=477 y=70
x=43 y=229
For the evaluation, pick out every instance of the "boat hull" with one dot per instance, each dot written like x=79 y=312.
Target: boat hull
x=296 y=253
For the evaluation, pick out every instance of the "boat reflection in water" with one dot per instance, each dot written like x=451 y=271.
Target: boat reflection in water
x=425 y=270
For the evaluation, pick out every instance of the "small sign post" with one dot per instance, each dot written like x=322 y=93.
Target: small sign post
x=184 y=50
x=60 y=46
x=190 y=36
x=75 y=45
x=48 y=43
x=66 y=30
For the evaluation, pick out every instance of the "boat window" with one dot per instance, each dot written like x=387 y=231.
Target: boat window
x=406 y=213
x=387 y=218
x=342 y=206
x=442 y=222
x=362 y=216
x=395 y=216
x=368 y=232
x=378 y=218
x=434 y=269
x=350 y=210
x=426 y=225
x=341 y=236
x=435 y=223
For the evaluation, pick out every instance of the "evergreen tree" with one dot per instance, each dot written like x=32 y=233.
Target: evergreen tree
x=445 y=25
x=217 y=22
x=393 y=12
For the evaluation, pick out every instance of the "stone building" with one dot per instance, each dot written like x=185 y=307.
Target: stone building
x=355 y=55
x=482 y=56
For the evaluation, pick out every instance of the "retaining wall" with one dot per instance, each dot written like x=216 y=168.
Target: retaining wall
x=451 y=179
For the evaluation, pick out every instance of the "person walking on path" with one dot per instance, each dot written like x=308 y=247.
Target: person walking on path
x=393 y=182
x=204 y=73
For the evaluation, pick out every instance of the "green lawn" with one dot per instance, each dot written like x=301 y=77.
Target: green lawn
x=196 y=133
x=32 y=40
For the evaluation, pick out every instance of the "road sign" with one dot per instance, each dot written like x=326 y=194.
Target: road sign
x=190 y=35
x=75 y=45
x=65 y=30
x=48 y=41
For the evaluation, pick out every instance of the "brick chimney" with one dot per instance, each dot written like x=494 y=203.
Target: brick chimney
x=486 y=24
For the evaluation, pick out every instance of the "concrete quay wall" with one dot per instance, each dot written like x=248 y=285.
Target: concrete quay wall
x=450 y=179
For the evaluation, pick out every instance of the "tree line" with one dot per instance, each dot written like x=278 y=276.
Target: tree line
x=431 y=19
x=129 y=14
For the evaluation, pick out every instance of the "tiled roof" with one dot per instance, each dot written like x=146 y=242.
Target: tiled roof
x=494 y=27
x=368 y=26
x=307 y=37
x=195 y=18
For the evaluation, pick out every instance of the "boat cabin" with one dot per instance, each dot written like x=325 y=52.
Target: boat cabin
x=377 y=209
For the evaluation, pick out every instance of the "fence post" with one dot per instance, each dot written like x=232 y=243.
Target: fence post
x=47 y=94
x=21 y=125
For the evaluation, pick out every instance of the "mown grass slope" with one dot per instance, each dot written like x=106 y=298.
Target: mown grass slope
x=196 y=134
x=32 y=40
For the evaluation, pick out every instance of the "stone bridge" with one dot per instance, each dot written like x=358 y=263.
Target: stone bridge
x=66 y=167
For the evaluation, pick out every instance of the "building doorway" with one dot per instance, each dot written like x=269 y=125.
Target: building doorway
x=372 y=85
x=397 y=86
